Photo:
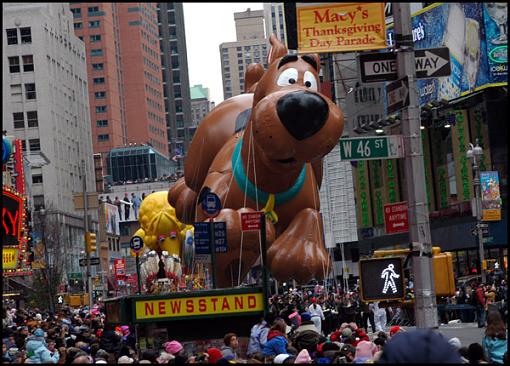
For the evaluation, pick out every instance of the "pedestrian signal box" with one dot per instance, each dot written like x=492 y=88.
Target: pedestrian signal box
x=382 y=279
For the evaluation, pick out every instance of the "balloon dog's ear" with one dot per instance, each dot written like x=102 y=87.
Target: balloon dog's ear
x=277 y=50
x=253 y=74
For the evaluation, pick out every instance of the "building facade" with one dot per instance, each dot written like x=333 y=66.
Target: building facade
x=125 y=85
x=175 y=80
x=250 y=47
x=46 y=105
x=200 y=105
x=97 y=25
x=274 y=20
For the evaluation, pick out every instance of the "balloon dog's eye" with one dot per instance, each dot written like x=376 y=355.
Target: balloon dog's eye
x=310 y=81
x=287 y=77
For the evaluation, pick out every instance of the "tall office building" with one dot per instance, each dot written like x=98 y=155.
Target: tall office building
x=200 y=105
x=176 y=91
x=46 y=105
x=250 y=46
x=125 y=85
x=97 y=26
x=274 y=19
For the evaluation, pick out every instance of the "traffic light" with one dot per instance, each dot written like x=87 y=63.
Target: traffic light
x=90 y=242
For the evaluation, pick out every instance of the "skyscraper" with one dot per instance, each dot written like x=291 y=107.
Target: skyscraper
x=274 y=19
x=175 y=79
x=125 y=85
x=250 y=46
x=46 y=105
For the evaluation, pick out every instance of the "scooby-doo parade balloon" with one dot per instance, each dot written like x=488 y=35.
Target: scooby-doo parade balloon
x=263 y=150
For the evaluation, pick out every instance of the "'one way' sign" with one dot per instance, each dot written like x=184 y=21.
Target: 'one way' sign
x=382 y=66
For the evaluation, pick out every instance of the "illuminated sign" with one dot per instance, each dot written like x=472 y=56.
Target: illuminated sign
x=10 y=258
x=12 y=218
x=381 y=279
x=201 y=305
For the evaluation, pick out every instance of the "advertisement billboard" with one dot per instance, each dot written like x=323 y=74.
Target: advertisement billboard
x=112 y=218
x=477 y=44
x=491 y=198
x=340 y=27
x=12 y=218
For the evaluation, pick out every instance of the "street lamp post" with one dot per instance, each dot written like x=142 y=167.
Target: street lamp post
x=473 y=153
x=42 y=222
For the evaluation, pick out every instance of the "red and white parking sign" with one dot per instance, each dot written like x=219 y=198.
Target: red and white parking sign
x=396 y=218
x=250 y=221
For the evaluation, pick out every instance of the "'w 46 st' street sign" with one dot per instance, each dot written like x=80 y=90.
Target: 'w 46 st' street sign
x=371 y=148
x=382 y=66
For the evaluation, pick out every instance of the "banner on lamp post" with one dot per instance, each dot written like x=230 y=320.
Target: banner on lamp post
x=491 y=198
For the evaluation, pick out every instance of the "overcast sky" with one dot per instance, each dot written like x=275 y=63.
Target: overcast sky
x=207 y=26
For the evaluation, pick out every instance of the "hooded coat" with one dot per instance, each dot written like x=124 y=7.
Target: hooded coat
x=258 y=338
x=37 y=352
x=110 y=342
x=276 y=344
x=494 y=349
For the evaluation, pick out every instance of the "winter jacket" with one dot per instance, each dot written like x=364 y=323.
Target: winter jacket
x=110 y=342
x=258 y=338
x=38 y=353
x=228 y=353
x=494 y=349
x=275 y=345
x=480 y=296
x=306 y=336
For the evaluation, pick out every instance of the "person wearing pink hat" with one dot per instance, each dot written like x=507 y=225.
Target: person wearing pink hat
x=303 y=357
x=173 y=347
x=365 y=351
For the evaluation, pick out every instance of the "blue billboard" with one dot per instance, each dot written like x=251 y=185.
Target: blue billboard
x=476 y=35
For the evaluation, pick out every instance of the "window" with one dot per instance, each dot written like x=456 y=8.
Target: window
x=19 y=120
x=100 y=109
x=102 y=123
x=26 y=35
x=98 y=80
x=93 y=9
x=14 y=64
x=34 y=144
x=133 y=9
x=32 y=119
x=78 y=25
x=38 y=202
x=135 y=22
x=24 y=146
x=94 y=24
x=28 y=63
x=96 y=52
x=100 y=95
x=30 y=91
x=76 y=13
x=37 y=178
x=95 y=38
x=102 y=138
x=98 y=66
x=16 y=93
x=12 y=36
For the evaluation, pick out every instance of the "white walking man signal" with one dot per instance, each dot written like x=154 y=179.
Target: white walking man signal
x=389 y=276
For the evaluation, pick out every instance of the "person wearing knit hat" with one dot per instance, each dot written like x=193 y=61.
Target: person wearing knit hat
x=281 y=358
x=365 y=351
x=172 y=347
x=303 y=357
x=125 y=359
x=346 y=333
x=455 y=342
x=394 y=330
x=214 y=355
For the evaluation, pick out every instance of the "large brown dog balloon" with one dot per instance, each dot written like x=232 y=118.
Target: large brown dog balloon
x=263 y=151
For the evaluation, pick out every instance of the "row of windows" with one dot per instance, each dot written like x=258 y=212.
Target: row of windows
x=25 y=35
x=14 y=65
x=149 y=51
x=98 y=66
x=150 y=64
x=16 y=92
x=19 y=119
x=34 y=144
x=101 y=108
x=100 y=95
x=156 y=144
x=155 y=117
x=92 y=24
x=153 y=104
x=102 y=123
x=151 y=77
x=92 y=11
x=155 y=130
x=96 y=52
x=151 y=40
x=152 y=91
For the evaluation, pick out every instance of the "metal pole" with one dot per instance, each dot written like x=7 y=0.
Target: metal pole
x=86 y=226
x=478 y=201
x=419 y=226
x=265 y=281
x=212 y=248
x=138 y=274
x=47 y=260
